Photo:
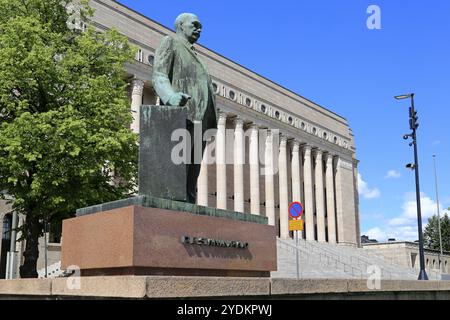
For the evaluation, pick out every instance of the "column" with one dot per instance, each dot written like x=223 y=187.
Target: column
x=296 y=186
x=309 y=205
x=254 y=171
x=320 y=199
x=345 y=202
x=202 y=182
x=284 y=201
x=137 y=90
x=221 y=165
x=330 y=200
x=239 y=160
x=295 y=168
x=269 y=179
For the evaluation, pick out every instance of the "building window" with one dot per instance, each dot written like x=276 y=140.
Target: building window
x=303 y=125
x=215 y=88
x=7 y=225
x=314 y=130
x=232 y=95
x=263 y=108
x=325 y=135
x=277 y=114
x=291 y=120
x=335 y=140
x=248 y=102
x=140 y=56
x=150 y=59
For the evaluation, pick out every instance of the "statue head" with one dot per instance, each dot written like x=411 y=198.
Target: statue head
x=189 y=27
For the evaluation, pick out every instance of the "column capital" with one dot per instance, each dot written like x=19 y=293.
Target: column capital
x=329 y=157
x=318 y=152
x=296 y=143
x=273 y=132
x=283 y=138
x=137 y=86
x=238 y=122
x=295 y=146
x=222 y=118
x=307 y=148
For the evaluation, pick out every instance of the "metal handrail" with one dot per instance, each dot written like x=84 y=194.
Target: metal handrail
x=349 y=269
x=362 y=262
x=325 y=257
x=340 y=258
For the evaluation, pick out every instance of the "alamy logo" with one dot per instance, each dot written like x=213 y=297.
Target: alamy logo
x=374 y=279
x=374 y=20
x=187 y=149
x=74 y=281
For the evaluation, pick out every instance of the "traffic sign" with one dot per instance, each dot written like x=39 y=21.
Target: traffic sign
x=295 y=225
x=296 y=210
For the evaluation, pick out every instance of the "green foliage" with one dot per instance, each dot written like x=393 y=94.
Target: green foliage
x=64 y=113
x=431 y=233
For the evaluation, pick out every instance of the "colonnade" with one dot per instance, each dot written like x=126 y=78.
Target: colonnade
x=305 y=174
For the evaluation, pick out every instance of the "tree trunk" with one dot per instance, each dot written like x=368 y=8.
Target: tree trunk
x=31 y=253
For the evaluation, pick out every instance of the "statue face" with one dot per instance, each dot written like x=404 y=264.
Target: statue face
x=192 y=28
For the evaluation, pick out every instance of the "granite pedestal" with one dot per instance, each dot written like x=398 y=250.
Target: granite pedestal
x=151 y=236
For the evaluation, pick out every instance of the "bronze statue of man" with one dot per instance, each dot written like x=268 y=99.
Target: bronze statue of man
x=181 y=79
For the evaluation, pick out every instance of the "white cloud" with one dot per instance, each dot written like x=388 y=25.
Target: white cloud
x=376 y=233
x=393 y=174
x=404 y=226
x=409 y=214
x=372 y=216
x=365 y=191
x=436 y=143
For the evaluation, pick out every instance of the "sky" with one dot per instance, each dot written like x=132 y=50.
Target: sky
x=325 y=51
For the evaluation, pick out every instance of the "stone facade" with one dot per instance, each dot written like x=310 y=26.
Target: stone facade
x=312 y=138
x=406 y=254
x=315 y=149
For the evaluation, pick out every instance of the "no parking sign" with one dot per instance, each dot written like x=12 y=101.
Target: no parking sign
x=296 y=212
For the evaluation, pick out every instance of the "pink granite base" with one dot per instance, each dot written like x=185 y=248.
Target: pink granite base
x=148 y=241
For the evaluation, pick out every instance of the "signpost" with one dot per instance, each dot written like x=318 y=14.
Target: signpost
x=296 y=225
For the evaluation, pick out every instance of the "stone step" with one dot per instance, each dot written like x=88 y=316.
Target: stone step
x=323 y=260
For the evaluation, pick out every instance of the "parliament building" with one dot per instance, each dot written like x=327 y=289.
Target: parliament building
x=316 y=160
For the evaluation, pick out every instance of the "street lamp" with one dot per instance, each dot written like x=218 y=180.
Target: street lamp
x=413 y=124
x=438 y=211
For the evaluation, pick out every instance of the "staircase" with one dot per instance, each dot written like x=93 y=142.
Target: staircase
x=328 y=261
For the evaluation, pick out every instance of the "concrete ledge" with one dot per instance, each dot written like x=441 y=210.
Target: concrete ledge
x=196 y=287
x=358 y=286
x=308 y=286
x=160 y=287
x=104 y=287
x=26 y=287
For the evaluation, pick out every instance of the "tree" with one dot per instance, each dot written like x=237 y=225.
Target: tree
x=64 y=115
x=431 y=233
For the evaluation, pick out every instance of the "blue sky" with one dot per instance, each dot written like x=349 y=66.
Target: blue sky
x=324 y=51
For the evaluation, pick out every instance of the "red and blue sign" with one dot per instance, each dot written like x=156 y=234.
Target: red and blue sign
x=296 y=210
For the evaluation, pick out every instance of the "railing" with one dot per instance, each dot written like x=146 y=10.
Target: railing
x=324 y=258
x=352 y=260
x=351 y=265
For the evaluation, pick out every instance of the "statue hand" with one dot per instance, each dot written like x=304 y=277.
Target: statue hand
x=179 y=99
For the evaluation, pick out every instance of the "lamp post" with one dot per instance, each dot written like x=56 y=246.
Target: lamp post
x=438 y=212
x=414 y=125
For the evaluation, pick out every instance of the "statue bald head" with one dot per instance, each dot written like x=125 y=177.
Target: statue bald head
x=188 y=26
